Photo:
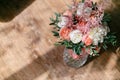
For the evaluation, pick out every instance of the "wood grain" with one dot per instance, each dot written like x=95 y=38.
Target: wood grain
x=27 y=51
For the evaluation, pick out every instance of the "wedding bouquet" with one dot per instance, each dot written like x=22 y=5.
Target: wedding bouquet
x=83 y=27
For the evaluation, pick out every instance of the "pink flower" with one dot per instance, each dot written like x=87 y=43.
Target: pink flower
x=94 y=21
x=83 y=26
x=67 y=13
x=73 y=54
x=88 y=3
x=88 y=50
x=87 y=40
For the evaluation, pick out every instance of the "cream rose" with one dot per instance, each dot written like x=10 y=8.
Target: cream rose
x=75 y=36
x=97 y=34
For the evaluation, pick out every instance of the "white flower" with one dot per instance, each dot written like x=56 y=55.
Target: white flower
x=79 y=12
x=103 y=30
x=81 y=5
x=93 y=32
x=97 y=34
x=63 y=22
x=80 y=9
x=107 y=28
x=101 y=16
x=101 y=39
x=95 y=42
x=76 y=36
x=87 y=11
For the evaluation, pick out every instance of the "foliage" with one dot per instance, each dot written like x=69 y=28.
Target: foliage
x=77 y=48
x=106 y=18
x=56 y=20
x=110 y=39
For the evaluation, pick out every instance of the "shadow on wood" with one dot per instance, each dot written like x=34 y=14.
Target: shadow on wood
x=115 y=15
x=52 y=62
x=11 y=8
x=49 y=62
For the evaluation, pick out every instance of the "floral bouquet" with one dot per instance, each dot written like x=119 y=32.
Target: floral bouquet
x=83 y=28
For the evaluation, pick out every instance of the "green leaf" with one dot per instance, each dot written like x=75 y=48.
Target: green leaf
x=67 y=44
x=52 y=24
x=104 y=46
x=55 y=21
x=106 y=18
x=83 y=1
x=95 y=52
x=70 y=45
x=52 y=19
x=77 y=50
x=57 y=14
x=55 y=33
x=114 y=43
x=57 y=44
x=57 y=17
x=81 y=44
x=111 y=39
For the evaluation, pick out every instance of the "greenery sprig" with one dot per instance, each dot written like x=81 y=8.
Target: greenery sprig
x=56 y=20
x=77 y=48
x=110 y=39
x=106 y=18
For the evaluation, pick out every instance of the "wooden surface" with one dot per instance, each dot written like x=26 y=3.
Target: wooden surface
x=27 y=51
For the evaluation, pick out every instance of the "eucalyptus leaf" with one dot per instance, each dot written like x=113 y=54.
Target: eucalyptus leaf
x=55 y=33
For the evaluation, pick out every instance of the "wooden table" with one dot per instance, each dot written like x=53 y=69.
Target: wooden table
x=27 y=51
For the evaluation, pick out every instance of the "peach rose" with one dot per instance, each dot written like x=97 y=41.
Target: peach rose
x=87 y=40
x=82 y=23
x=68 y=13
x=64 y=33
x=76 y=36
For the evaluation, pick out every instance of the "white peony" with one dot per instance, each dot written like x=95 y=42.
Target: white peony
x=104 y=30
x=64 y=21
x=76 y=36
x=97 y=34
x=80 y=9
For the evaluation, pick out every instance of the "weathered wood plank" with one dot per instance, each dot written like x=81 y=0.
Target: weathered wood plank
x=27 y=51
